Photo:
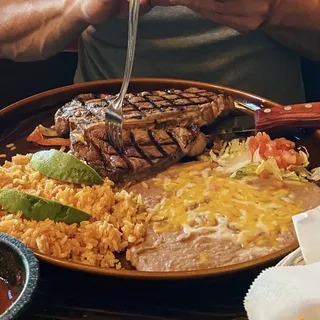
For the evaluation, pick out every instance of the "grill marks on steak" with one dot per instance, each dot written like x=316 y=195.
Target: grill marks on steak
x=147 y=109
x=147 y=152
x=160 y=128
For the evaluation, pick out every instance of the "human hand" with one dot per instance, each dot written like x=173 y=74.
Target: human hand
x=241 y=15
x=97 y=11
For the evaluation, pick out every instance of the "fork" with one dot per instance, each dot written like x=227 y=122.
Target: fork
x=114 y=113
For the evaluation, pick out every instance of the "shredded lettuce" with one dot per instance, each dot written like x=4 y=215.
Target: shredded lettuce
x=301 y=171
x=315 y=174
x=304 y=156
x=249 y=170
x=271 y=166
x=256 y=157
x=235 y=159
x=291 y=175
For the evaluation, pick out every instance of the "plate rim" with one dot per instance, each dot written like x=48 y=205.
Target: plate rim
x=118 y=81
x=135 y=274
x=170 y=275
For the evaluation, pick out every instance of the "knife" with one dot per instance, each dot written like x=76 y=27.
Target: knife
x=263 y=119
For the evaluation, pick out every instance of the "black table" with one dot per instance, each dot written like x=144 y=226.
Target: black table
x=65 y=294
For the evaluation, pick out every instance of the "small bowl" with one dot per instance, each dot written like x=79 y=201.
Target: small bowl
x=20 y=269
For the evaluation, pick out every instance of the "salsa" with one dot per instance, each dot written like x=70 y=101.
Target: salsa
x=281 y=149
x=6 y=297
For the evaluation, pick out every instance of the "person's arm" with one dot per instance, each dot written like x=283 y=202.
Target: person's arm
x=296 y=24
x=293 y=23
x=38 y=29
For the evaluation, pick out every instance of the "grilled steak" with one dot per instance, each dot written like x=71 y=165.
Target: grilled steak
x=147 y=152
x=160 y=128
x=147 y=109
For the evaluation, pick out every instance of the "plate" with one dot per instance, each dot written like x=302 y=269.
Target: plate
x=19 y=119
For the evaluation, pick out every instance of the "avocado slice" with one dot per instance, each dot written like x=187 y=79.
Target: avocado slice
x=39 y=209
x=64 y=167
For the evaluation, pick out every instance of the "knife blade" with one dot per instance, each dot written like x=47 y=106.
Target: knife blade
x=263 y=119
x=234 y=125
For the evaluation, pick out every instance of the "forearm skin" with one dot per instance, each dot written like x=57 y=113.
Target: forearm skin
x=37 y=29
x=296 y=24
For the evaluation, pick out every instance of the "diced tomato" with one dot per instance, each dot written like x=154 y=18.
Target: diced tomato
x=262 y=136
x=289 y=157
x=279 y=161
x=284 y=144
x=262 y=148
x=270 y=151
x=281 y=149
x=264 y=174
x=252 y=144
x=299 y=160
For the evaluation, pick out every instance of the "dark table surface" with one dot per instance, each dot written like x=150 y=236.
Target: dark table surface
x=63 y=294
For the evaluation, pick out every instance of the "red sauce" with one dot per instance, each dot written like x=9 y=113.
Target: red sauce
x=6 y=298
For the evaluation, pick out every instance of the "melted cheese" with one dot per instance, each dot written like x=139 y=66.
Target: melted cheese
x=201 y=200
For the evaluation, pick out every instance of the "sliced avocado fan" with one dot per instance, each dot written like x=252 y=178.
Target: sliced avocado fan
x=64 y=167
x=39 y=209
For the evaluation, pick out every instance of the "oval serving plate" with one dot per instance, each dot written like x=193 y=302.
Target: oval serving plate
x=19 y=119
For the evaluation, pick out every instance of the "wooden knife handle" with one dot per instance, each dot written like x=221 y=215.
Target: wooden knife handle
x=305 y=115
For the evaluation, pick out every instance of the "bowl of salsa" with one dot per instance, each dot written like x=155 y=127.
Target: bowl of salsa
x=19 y=273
